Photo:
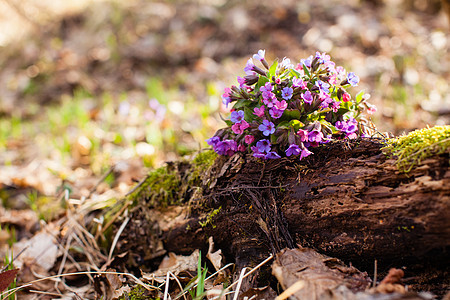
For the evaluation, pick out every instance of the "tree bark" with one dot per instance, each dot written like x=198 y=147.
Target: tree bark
x=348 y=200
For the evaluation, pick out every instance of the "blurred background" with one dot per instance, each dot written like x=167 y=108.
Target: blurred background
x=88 y=84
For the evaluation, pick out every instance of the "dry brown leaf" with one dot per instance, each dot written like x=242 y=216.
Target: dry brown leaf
x=321 y=274
x=41 y=249
x=214 y=257
x=6 y=278
x=175 y=264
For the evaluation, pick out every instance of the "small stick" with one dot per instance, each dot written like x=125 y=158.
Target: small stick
x=375 y=273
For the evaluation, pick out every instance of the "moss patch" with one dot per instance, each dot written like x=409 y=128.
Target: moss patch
x=411 y=149
x=175 y=182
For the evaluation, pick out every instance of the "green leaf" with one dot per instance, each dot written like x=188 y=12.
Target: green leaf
x=305 y=69
x=290 y=114
x=241 y=103
x=273 y=69
x=284 y=125
x=228 y=122
x=261 y=81
x=359 y=96
x=273 y=139
x=296 y=124
x=346 y=105
x=248 y=114
x=296 y=73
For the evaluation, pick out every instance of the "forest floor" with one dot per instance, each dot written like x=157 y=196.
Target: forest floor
x=95 y=94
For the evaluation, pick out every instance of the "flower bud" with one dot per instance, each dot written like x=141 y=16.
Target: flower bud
x=251 y=79
x=265 y=64
x=259 y=71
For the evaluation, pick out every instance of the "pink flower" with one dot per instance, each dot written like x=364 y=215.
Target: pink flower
x=297 y=82
x=281 y=105
x=303 y=134
x=259 y=111
x=249 y=139
x=346 y=97
x=241 y=148
x=241 y=81
x=371 y=109
x=239 y=128
x=275 y=113
x=305 y=153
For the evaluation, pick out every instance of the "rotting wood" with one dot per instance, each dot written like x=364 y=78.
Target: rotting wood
x=347 y=200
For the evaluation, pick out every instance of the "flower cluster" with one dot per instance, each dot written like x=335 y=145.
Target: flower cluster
x=283 y=109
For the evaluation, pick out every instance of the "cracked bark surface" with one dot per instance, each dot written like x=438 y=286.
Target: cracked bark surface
x=347 y=201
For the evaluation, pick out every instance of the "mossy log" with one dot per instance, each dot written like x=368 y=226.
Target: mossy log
x=348 y=200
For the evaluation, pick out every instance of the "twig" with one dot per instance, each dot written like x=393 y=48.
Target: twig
x=291 y=290
x=137 y=280
x=238 y=287
x=116 y=238
x=111 y=169
x=375 y=266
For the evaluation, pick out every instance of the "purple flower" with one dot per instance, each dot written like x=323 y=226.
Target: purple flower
x=340 y=125
x=275 y=113
x=286 y=93
x=268 y=98
x=315 y=136
x=226 y=147
x=348 y=127
x=286 y=63
x=257 y=154
x=352 y=126
x=335 y=105
x=266 y=88
x=239 y=128
x=249 y=139
x=249 y=67
x=259 y=111
x=267 y=127
x=293 y=150
x=352 y=79
x=305 y=153
x=241 y=81
x=322 y=58
x=297 y=82
x=260 y=55
x=263 y=146
x=226 y=96
x=307 y=62
x=213 y=141
x=272 y=155
x=326 y=100
x=323 y=86
x=237 y=116
x=307 y=97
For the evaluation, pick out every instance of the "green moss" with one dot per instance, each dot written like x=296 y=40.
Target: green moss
x=200 y=164
x=159 y=188
x=137 y=293
x=411 y=149
x=175 y=182
x=209 y=218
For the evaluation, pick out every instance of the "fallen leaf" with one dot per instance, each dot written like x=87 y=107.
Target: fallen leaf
x=6 y=278
x=175 y=264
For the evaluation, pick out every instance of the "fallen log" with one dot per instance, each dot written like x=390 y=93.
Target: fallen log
x=348 y=200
